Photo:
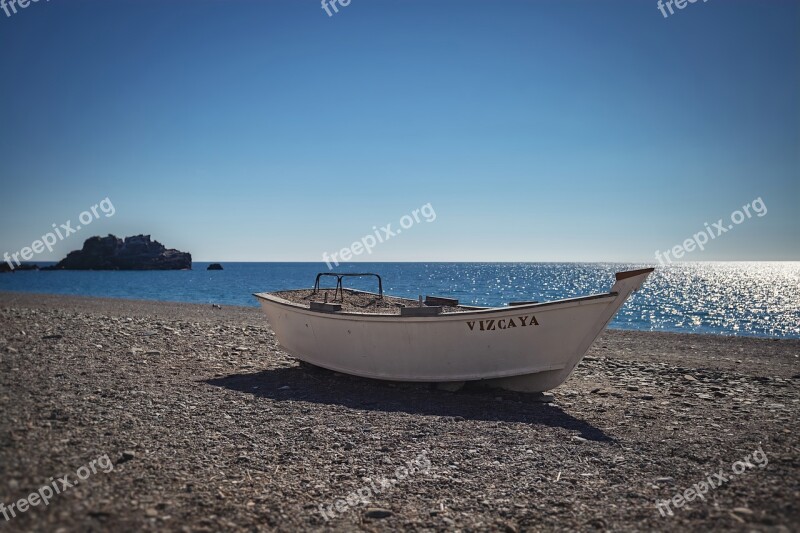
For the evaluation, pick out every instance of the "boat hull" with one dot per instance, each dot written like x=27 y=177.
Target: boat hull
x=532 y=347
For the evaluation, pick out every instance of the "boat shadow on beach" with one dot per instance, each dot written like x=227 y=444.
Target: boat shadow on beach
x=316 y=385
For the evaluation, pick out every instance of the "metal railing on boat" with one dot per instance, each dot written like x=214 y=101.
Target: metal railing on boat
x=340 y=289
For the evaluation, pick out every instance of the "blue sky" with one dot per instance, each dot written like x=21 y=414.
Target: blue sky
x=538 y=130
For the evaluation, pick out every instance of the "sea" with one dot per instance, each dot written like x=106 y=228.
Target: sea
x=758 y=299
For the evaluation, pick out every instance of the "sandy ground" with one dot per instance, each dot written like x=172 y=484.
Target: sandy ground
x=184 y=417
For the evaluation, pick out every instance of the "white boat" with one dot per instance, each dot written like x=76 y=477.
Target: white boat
x=528 y=347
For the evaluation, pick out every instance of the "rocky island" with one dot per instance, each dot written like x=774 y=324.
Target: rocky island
x=138 y=252
x=7 y=267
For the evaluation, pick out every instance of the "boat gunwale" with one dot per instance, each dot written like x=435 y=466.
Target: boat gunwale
x=445 y=316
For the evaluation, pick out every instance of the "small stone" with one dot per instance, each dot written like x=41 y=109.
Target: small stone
x=151 y=513
x=688 y=377
x=742 y=510
x=737 y=518
x=377 y=512
x=647 y=397
x=126 y=456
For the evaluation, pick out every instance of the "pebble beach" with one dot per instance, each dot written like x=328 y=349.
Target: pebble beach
x=205 y=424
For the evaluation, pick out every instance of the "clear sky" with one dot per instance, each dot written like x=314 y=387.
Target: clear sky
x=537 y=130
